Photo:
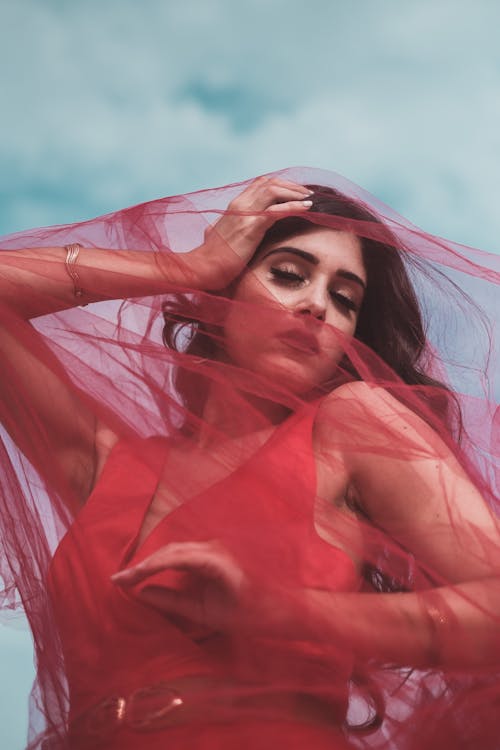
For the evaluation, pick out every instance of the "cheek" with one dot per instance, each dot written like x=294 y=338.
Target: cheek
x=336 y=340
x=239 y=332
x=253 y=288
x=247 y=332
x=253 y=315
x=340 y=328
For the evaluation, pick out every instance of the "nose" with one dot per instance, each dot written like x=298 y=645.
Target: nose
x=314 y=302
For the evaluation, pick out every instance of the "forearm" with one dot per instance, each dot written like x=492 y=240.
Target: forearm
x=450 y=626
x=36 y=281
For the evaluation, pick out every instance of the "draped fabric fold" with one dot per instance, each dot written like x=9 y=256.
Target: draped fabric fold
x=358 y=516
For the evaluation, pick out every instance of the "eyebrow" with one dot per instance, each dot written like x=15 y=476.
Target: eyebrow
x=310 y=258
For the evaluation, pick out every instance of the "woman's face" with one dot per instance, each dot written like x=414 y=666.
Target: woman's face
x=300 y=299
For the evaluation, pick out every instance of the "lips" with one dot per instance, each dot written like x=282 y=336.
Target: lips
x=300 y=340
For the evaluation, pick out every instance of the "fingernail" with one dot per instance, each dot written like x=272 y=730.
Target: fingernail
x=307 y=203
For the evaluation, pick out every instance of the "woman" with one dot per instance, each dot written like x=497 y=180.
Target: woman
x=262 y=519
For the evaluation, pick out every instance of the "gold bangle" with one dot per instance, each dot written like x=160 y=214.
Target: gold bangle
x=71 y=258
x=438 y=624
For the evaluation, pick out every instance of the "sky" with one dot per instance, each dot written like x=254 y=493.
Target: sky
x=108 y=103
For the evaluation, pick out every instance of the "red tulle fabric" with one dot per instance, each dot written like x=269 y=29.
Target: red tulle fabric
x=97 y=643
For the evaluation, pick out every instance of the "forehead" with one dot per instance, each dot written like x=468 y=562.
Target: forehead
x=332 y=248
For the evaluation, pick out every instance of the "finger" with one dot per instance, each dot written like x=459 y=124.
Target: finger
x=273 y=194
x=292 y=185
x=290 y=207
x=272 y=179
x=287 y=193
x=227 y=575
x=157 y=563
x=183 y=555
x=202 y=559
x=263 y=186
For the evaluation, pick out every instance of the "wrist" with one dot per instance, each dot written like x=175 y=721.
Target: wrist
x=210 y=269
x=184 y=270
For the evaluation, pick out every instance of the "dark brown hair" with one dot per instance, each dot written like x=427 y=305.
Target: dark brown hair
x=390 y=322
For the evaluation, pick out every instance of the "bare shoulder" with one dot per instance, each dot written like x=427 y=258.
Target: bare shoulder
x=369 y=410
x=410 y=481
x=351 y=402
x=358 y=393
x=363 y=395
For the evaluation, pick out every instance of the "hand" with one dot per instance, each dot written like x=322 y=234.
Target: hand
x=230 y=243
x=219 y=596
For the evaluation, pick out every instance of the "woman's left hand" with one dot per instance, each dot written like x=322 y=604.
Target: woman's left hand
x=220 y=598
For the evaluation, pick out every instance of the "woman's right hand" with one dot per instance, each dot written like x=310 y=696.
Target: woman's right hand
x=231 y=242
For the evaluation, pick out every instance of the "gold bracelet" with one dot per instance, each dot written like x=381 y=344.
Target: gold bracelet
x=71 y=258
x=438 y=624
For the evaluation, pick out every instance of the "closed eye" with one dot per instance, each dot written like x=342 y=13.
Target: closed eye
x=346 y=302
x=296 y=279
x=283 y=275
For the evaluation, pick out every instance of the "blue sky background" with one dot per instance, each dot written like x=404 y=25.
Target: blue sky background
x=106 y=103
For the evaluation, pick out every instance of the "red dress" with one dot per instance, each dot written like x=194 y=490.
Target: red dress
x=97 y=644
x=114 y=644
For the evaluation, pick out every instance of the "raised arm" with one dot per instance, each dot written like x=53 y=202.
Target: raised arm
x=38 y=281
x=34 y=388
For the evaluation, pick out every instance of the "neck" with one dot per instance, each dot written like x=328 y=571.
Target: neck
x=236 y=415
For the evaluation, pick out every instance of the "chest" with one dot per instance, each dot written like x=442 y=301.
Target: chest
x=189 y=473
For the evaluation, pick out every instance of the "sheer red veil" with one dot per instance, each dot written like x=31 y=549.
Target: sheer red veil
x=426 y=335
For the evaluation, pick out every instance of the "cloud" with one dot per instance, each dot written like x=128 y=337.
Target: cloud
x=105 y=104
x=111 y=104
